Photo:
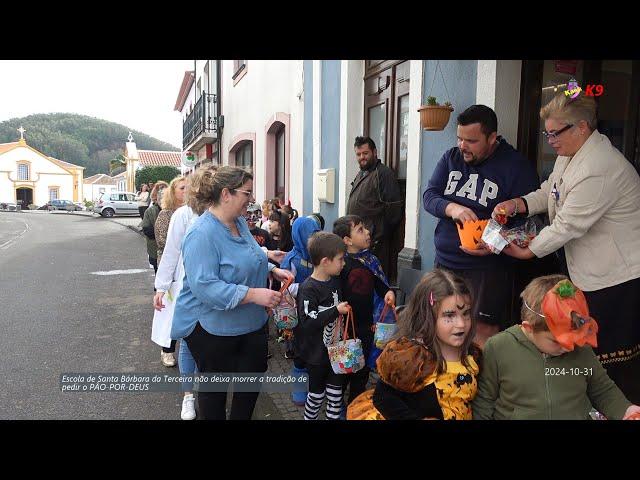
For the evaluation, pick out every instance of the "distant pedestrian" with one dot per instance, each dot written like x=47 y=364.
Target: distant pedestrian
x=143 y=199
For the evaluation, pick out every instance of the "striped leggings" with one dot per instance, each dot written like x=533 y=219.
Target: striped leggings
x=323 y=382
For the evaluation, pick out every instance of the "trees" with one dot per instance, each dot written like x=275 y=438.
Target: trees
x=117 y=162
x=153 y=174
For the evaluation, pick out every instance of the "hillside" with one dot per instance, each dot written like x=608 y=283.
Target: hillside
x=78 y=139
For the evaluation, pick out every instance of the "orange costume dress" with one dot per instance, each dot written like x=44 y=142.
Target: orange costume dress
x=410 y=389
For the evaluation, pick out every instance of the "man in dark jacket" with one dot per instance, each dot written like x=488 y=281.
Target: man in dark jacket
x=375 y=197
x=467 y=183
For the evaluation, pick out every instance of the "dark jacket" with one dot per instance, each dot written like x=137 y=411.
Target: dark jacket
x=148 y=224
x=375 y=196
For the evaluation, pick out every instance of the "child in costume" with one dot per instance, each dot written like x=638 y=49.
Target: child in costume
x=319 y=306
x=298 y=262
x=365 y=287
x=429 y=369
x=545 y=368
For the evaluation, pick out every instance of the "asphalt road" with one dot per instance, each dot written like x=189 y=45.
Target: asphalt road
x=57 y=317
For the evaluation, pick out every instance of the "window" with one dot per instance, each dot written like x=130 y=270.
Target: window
x=53 y=194
x=244 y=155
x=101 y=190
x=238 y=66
x=239 y=70
x=130 y=197
x=280 y=164
x=23 y=171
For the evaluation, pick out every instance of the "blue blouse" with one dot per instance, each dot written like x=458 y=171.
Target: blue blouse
x=219 y=270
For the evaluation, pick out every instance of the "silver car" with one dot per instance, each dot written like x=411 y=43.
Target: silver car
x=116 y=203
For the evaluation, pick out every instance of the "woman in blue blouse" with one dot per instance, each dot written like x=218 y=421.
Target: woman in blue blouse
x=221 y=309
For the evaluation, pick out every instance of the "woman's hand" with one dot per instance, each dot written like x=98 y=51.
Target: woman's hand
x=276 y=255
x=157 y=301
x=282 y=275
x=481 y=251
x=263 y=296
x=632 y=413
x=515 y=251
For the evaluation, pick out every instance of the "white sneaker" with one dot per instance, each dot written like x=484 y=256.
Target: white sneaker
x=167 y=359
x=188 y=408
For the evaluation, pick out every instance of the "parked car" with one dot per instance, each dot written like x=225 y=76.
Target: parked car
x=66 y=205
x=12 y=207
x=116 y=203
x=80 y=206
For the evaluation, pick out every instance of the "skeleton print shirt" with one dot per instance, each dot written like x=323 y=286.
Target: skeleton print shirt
x=317 y=318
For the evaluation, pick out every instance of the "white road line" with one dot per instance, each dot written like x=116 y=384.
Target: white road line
x=8 y=243
x=122 y=272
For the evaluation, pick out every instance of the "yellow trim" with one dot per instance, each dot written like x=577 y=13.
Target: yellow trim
x=33 y=194
x=19 y=145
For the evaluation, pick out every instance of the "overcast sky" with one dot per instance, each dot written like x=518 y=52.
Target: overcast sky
x=139 y=94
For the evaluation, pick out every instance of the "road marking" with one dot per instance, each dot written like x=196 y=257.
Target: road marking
x=8 y=243
x=122 y=272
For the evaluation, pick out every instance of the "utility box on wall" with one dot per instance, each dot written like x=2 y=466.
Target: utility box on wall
x=325 y=184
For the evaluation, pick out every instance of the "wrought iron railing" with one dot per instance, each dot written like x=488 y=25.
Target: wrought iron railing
x=203 y=119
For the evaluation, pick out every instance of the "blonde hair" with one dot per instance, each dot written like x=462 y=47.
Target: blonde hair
x=169 y=200
x=571 y=111
x=207 y=184
x=533 y=295
x=154 y=191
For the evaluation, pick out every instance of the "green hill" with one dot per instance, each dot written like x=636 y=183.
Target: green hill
x=78 y=139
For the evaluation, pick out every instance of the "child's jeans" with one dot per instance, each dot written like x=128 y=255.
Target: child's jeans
x=187 y=366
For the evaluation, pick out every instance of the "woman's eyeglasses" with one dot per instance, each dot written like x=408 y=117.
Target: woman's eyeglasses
x=248 y=193
x=553 y=136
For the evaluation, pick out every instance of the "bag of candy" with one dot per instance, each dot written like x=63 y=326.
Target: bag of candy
x=492 y=237
x=523 y=234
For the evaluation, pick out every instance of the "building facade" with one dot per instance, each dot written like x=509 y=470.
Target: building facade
x=290 y=120
x=28 y=176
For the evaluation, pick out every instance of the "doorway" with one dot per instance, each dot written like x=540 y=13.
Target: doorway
x=24 y=197
x=386 y=121
x=618 y=112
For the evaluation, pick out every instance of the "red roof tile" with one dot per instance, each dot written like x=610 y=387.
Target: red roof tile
x=151 y=158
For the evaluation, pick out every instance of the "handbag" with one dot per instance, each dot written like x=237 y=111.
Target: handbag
x=383 y=331
x=285 y=315
x=346 y=355
x=162 y=320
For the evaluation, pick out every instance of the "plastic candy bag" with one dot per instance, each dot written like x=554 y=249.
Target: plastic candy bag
x=523 y=234
x=492 y=237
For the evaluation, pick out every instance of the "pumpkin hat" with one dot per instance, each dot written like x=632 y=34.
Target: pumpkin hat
x=567 y=316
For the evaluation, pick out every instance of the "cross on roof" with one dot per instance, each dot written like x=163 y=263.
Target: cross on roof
x=130 y=138
x=21 y=130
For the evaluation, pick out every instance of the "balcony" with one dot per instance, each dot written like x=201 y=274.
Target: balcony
x=201 y=126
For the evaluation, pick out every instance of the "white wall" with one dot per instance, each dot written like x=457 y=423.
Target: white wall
x=498 y=87
x=268 y=87
x=351 y=125
x=42 y=170
x=92 y=190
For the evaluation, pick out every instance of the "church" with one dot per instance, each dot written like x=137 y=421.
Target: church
x=28 y=176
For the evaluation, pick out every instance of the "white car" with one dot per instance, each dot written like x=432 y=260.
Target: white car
x=116 y=203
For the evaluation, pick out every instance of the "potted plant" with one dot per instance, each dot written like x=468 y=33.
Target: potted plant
x=434 y=116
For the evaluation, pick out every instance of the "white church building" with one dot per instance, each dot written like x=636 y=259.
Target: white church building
x=28 y=176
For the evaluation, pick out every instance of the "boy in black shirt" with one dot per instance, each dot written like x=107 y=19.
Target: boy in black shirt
x=361 y=276
x=319 y=306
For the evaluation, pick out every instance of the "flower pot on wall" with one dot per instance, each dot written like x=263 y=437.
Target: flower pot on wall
x=434 y=117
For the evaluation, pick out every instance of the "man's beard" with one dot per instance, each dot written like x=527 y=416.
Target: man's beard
x=367 y=165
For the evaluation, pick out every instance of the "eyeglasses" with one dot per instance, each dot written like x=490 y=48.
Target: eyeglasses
x=553 y=136
x=248 y=193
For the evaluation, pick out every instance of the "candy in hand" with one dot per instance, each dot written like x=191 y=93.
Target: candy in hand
x=501 y=217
